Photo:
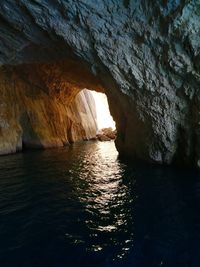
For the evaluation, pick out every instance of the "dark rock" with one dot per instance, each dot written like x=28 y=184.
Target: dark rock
x=145 y=53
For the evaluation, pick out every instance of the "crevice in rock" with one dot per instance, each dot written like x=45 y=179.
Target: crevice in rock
x=126 y=3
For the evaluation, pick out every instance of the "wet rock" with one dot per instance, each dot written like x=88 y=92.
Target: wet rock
x=102 y=137
x=106 y=134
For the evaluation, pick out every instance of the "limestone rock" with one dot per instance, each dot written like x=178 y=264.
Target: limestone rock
x=145 y=54
x=103 y=138
x=106 y=134
x=37 y=118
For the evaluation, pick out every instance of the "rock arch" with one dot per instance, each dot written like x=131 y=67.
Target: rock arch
x=144 y=53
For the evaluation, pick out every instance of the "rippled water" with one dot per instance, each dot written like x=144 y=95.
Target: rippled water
x=81 y=206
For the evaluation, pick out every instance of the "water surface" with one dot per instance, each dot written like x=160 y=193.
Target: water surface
x=82 y=206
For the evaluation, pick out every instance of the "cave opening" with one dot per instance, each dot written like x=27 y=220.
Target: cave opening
x=95 y=115
x=47 y=105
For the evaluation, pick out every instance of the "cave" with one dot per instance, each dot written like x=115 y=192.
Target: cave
x=49 y=105
x=91 y=201
x=148 y=69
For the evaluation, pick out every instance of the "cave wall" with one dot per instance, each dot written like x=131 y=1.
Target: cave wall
x=145 y=53
x=37 y=117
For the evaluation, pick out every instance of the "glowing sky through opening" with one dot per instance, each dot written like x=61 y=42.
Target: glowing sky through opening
x=104 y=118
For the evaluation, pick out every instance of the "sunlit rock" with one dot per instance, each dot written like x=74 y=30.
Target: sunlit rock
x=107 y=134
x=144 y=53
x=36 y=112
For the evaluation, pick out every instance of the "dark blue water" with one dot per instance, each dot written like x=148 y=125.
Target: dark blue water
x=81 y=206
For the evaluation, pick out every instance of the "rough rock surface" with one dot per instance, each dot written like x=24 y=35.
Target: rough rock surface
x=145 y=53
x=106 y=134
x=38 y=117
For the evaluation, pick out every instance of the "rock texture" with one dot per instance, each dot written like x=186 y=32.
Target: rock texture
x=145 y=53
x=106 y=134
x=35 y=115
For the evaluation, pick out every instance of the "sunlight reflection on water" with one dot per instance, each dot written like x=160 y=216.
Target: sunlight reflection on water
x=104 y=196
x=81 y=206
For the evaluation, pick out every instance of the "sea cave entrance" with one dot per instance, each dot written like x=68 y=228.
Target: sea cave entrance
x=95 y=114
x=47 y=105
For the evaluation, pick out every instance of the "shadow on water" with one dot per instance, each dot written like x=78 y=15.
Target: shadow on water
x=81 y=206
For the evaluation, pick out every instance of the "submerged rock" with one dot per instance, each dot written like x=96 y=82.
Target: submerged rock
x=144 y=53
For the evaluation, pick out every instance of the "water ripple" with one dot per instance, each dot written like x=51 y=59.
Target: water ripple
x=81 y=206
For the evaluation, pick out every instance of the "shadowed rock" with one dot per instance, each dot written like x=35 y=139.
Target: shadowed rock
x=144 y=53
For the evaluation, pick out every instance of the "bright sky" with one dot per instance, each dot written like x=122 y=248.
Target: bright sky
x=104 y=119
